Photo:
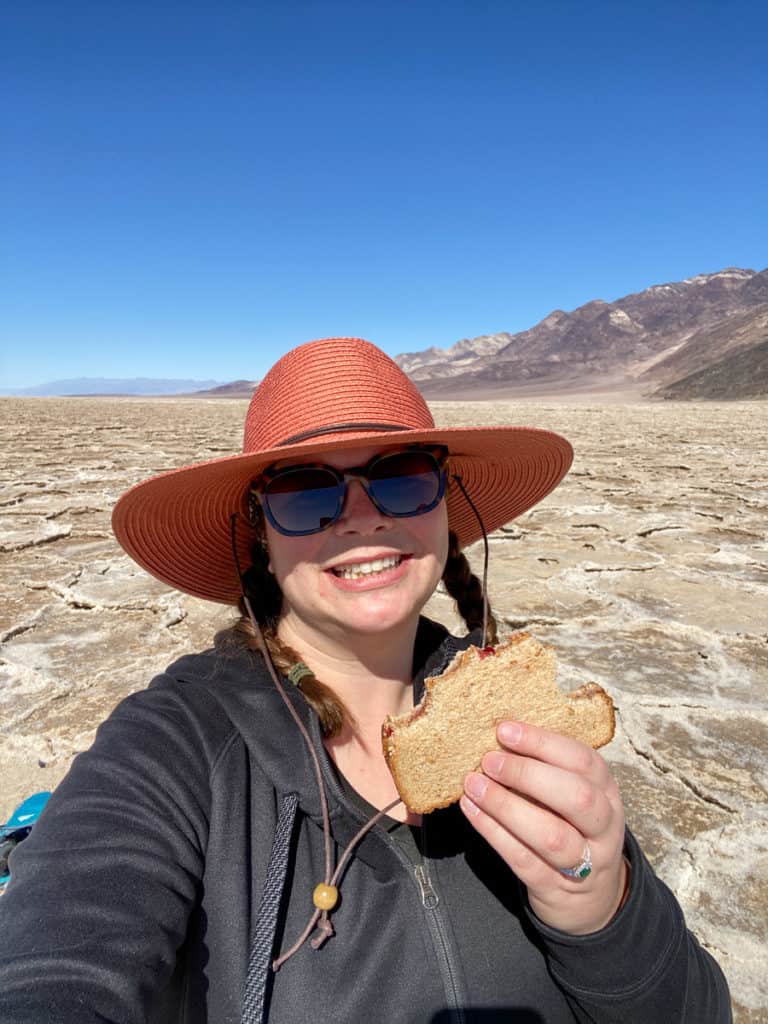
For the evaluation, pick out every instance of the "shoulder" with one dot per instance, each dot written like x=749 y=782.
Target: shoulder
x=188 y=702
x=216 y=666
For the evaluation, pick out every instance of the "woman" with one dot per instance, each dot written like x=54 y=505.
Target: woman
x=232 y=848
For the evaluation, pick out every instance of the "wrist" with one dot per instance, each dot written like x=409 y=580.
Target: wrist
x=625 y=881
x=627 y=886
x=572 y=927
x=623 y=894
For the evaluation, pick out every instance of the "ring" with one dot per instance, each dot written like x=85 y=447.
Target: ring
x=581 y=870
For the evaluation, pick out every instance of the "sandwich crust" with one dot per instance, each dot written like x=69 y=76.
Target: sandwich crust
x=430 y=750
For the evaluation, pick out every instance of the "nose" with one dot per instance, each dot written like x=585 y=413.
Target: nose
x=359 y=514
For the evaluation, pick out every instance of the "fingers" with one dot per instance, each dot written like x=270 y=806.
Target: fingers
x=569 y=755
x=575 y=799
x=572 y=905
x=532 y=869
x=522 y=832
x=553 y=748
x=544 y=797
x=539 y=801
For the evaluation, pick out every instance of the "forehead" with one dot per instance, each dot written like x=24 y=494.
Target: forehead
x=350 y=457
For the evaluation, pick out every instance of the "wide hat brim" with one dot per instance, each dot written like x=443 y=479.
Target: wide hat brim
x=179 y=525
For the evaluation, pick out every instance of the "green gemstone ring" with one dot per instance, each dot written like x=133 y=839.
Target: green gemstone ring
x=583 y=869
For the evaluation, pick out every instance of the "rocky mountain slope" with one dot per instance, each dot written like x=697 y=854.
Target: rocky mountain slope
x=236 y=389
x=644 y=342
x=740 y=375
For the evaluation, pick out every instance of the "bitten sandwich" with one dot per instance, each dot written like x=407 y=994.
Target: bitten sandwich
x=430 y=750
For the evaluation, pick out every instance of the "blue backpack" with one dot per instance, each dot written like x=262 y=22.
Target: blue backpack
x=18 y=827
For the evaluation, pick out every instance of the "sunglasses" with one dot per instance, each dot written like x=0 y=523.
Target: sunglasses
x=300 y=500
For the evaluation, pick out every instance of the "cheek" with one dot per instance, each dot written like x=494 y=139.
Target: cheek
x=433 y=534
x=286 y=554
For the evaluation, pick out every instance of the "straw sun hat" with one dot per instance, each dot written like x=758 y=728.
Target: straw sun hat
x=321 y=397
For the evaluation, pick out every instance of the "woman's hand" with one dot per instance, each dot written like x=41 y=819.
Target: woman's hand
x=538 y=803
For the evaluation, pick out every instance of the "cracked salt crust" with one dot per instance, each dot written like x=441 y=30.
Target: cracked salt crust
x=644 y=570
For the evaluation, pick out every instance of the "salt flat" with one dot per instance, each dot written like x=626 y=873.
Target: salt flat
x=647 y=569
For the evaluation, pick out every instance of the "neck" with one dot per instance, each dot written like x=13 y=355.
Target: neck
x=373 y=677
x=371 y=674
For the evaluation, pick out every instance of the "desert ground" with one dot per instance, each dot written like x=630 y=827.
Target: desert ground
x=647 y=569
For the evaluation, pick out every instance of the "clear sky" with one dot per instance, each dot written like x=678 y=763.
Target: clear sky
x=190 y=189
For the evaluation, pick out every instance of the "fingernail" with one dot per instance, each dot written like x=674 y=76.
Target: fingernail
x=475 y=785
x=493 y=763
x=471 y=810
x=510 y=732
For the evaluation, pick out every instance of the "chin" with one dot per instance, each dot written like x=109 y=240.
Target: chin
x=377 y=621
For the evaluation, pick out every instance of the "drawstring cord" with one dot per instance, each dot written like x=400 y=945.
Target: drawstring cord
x=471 y=504
x=325 y=895
x=320 y=919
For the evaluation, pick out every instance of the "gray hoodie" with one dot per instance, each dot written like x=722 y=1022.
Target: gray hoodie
x=136 y=897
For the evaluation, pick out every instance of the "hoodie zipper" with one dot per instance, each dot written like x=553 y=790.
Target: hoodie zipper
x=430 y=901
x=429 y=898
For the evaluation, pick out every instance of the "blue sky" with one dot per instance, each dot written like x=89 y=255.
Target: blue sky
x=190 y=189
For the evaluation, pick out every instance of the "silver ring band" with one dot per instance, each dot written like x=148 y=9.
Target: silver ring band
x=581 y=870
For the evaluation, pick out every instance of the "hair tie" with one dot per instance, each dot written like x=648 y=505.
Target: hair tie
x=298 y=672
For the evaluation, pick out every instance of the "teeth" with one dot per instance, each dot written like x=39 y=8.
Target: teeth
x=356 y=572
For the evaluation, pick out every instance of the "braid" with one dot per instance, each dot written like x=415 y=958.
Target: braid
x=329 y=707
x=266 y=600
x=262 y=589
x=466 y=590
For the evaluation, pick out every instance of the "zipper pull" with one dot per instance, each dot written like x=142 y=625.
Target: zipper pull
x=429 y=897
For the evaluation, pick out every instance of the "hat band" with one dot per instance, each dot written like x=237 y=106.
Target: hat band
x=338 y=428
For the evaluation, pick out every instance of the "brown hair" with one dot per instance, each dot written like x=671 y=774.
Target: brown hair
x=266 y=600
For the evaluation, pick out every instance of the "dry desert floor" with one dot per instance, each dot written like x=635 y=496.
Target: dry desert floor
x=647 y=569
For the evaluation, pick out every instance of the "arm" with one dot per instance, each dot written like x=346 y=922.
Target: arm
x=643 y=966
x=537 y=803
x=102 y=890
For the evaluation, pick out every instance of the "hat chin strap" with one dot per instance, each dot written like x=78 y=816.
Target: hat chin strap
x=471 y=504
x=320 y=919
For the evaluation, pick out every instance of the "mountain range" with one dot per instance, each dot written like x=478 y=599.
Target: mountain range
x=148 y=386
x=702 y=338
x=705 y=337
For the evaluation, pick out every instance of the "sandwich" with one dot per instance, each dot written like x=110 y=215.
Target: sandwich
x=430 y=749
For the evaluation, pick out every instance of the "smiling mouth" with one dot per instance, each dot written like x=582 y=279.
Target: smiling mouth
x=361 y=570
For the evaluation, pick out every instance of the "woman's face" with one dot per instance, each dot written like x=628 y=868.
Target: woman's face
x=367 y=573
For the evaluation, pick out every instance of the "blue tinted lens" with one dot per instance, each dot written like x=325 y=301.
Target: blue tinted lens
x=406 y=483
x=305 y=500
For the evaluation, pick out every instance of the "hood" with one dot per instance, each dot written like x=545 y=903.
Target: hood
x=238 y=680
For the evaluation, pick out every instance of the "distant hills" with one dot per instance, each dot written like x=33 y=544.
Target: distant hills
x=704 y=337
x=237 y=389
x=113 y=386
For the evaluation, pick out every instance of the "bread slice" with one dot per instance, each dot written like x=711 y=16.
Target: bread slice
x=430 y=750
